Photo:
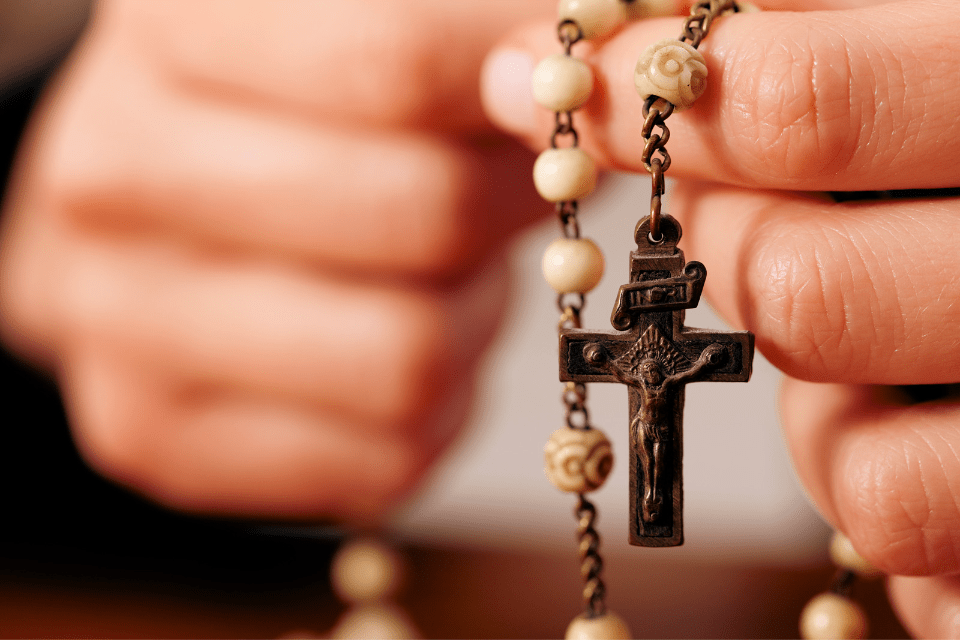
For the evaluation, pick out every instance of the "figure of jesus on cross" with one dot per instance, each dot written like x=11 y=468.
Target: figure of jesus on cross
x=655 y=355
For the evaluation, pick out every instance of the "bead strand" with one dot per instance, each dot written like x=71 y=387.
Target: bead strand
x=670 y=75
x=833 y=613
x=578 y=456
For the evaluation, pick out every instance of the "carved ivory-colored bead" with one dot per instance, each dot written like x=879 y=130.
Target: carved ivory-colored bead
x=578 y=460
x=564 y=174
x=573 y=265
x=608 y=626
x=562 y=83
x=844 y=555
x=832 y=616
x=596 y=18
x=366 y=571
x=673 y=70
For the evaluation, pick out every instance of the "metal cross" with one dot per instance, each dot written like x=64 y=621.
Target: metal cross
x=656 y=356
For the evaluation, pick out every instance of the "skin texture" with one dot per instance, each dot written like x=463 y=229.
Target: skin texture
x=847 y=299
x=254 y=268
x=223 y=223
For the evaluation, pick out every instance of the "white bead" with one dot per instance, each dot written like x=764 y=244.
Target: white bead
x=830 y=616
x=374 y=621
x=578 y=460
x=844 y=555
x=365 y=571
x=573 y=265
x=608 y=626
x=562 y=83
x=673 y=70
x=564 y=174
x=596 y=18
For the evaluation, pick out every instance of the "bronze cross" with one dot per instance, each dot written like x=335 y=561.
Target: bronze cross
x=656 y=356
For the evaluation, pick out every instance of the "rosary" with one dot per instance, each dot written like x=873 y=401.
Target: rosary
x=650 y=351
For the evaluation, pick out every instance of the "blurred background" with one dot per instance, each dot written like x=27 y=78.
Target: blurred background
x=490 y=543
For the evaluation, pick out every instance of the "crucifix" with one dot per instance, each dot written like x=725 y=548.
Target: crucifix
x=655 y=355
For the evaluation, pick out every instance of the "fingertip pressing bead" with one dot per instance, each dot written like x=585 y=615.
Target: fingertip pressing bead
x=831 y=616
x=596 y=18
x=564 y=174
x=573 y=265
x=844 y=555
x=366 y=571
x=606 y=626
x=578 y=460
x=562 y=82
x=672 y=70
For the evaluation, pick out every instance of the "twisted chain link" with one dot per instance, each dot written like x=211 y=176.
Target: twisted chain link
x=574 y=395
x=591 y=564
x=656 y=110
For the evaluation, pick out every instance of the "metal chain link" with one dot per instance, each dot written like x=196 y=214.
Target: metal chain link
x=574 y=395
x=591 y=564
x=656 y=110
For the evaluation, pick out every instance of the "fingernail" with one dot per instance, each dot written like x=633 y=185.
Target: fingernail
x=505 y=90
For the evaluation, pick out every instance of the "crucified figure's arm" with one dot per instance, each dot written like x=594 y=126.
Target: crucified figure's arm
x=711 y=357
x=596 y=355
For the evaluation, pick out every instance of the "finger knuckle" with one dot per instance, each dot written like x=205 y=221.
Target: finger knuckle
x=789 y=103
x=800 y=283
x=901 y=510
x=113 y=445
x=411 y=351
x=434 y=232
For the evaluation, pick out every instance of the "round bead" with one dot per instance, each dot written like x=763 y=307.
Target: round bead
x=608 y=626
x=562 y=83
x=832 y=616
x=374 y=621
x=596 y=18
x=366 y=571
x=672 y=70
x=573 y=265
x=564 y=174
x=844 y=555
x=578 y=460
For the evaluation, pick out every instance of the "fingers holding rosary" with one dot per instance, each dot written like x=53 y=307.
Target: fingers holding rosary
x=802 y=100
x=853 y=292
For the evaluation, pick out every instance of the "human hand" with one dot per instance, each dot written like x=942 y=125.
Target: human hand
x=849 y=299
x=259 y=246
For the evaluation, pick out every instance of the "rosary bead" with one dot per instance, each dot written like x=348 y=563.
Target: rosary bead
x=573 y=265
x=606 y=626
x=672 y=70
x=596 y=18
x=564 y=174
x=374 y=621
x=562 y=83
x=366 y=571
x=578 y=460
x=844 y=555
x=831 y=616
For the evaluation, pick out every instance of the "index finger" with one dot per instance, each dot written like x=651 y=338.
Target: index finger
x=856 y=99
